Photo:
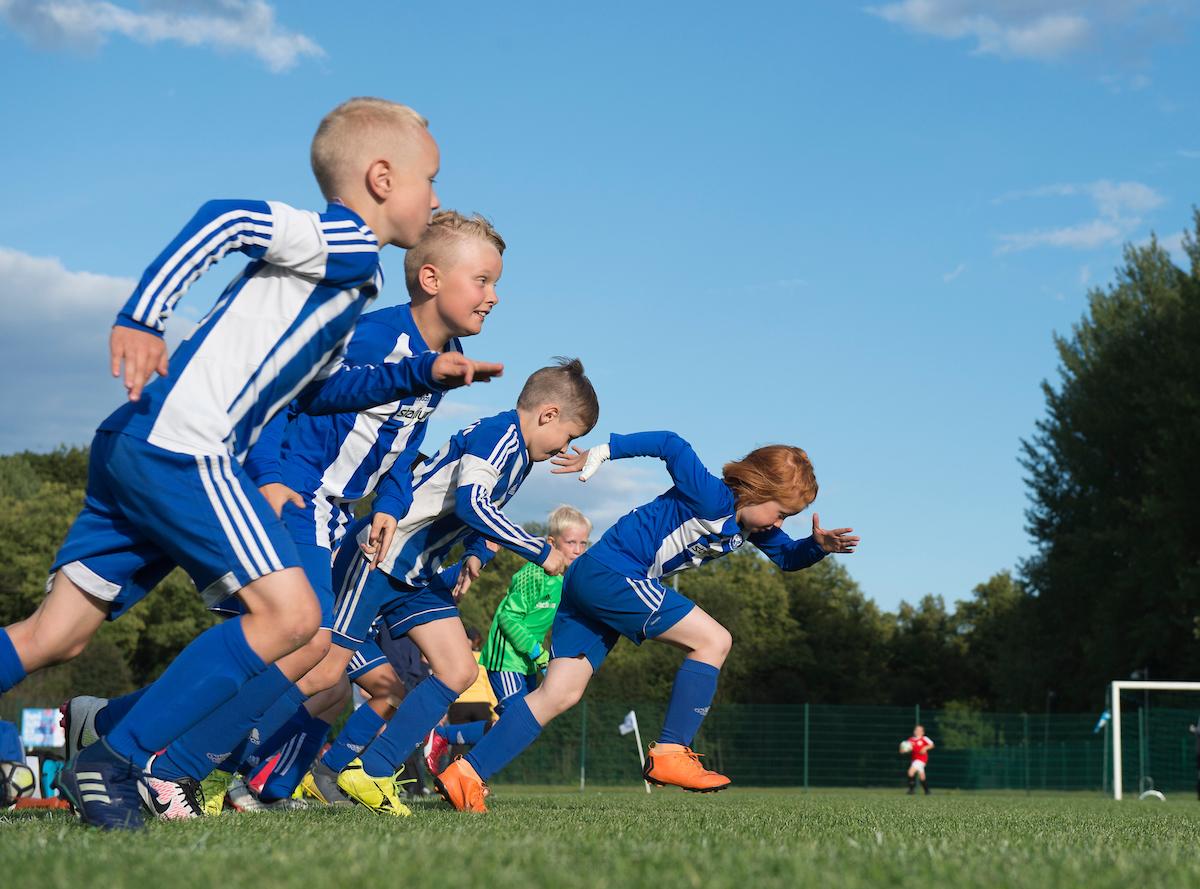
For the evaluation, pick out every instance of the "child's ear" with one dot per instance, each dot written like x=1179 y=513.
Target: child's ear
x=548 y=415
x=427 y=277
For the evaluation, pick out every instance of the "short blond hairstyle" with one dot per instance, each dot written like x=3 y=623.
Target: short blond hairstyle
x=564 y=384
x=446 y=229
x=567 y=517
x=358 y=130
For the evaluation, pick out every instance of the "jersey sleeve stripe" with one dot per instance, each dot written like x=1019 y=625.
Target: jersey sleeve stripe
x=503 y=528
x=217 y=237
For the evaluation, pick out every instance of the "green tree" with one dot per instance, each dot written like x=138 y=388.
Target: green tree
x=1113 y=480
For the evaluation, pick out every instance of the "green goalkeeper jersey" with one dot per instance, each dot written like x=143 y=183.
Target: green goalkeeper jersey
x=522 y=620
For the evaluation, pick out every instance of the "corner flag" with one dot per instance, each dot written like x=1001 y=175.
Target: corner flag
x=629 y=724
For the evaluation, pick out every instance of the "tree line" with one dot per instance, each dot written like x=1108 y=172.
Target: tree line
x=1113 y=586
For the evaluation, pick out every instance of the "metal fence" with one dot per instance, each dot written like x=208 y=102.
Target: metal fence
x=841 y=746
x=817 y=745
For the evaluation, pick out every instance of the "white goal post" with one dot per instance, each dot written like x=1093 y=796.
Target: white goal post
x=1134 y=685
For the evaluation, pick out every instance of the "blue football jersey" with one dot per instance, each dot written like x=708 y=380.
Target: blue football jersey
x=335 y=459
x=457 y=496
x=692 y=523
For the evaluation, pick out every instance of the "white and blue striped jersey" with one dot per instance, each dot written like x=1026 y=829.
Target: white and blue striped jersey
x=280 y=324
x=457 y=494
x=692 y=523
x=336 y=459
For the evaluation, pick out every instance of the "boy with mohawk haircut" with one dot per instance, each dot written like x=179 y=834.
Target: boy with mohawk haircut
x=458 y=495
x=332 y=460
x=275 y=334
x=616 y=589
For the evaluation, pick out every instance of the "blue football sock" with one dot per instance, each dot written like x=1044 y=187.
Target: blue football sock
x=206 y=674
x=359 y=731
x=12 y=671
x=463 y=732
x=515 y=731
x=114 y=711
x=296 y=756
x=265 y=737
x=210 y=742
x=420 y=711
x=695 y=685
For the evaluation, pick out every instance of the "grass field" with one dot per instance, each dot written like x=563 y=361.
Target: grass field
x=536 y=838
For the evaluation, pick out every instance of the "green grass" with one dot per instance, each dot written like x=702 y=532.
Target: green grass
x=535 y=838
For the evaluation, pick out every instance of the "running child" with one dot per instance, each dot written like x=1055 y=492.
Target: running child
x=515 y=654
x=311 y=468
x=457 y=496
x=166 y=486
x=918 y=747
x=616 y=589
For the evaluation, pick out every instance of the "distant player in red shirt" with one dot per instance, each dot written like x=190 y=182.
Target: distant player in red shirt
x=918 y=746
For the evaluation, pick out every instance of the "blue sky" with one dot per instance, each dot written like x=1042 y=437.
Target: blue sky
x=852 y=228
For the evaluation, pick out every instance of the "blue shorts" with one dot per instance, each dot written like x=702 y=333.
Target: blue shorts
x=363 y=595
x=148 y=509
x=510 y=685
x=367 y=658
x=317 y=568
x=600 y=605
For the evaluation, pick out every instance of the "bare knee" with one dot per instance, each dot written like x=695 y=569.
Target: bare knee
x=715 y=646
x=325 y=675
x=459 y=675
x=39 y=646
x=382 y=682
x=560 y=698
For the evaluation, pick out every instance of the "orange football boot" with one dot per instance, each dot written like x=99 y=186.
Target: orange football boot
x=460 y=786
x=678 y=766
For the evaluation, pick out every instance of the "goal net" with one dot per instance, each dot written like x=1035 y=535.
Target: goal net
x=1152 y=740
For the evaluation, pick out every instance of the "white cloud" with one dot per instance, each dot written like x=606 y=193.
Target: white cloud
x=1036 y=29
x=1189 y=153
x=957 y=270
x=1120 y=208
x=1085 y=275
x=54 y=326
x=230 y=25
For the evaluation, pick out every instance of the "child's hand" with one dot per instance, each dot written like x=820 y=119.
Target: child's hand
x=383 y=527
x=835 y=541
x=279 y=495
x=453 y=369
x=584 y=462
x=142 y=354
x=555 y=564
x=467 y=575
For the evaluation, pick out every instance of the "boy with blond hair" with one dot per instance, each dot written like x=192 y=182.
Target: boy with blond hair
x=166 y=486
x=333 y=460
x=515 y=653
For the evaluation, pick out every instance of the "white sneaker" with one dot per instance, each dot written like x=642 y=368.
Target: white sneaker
x=172 y=800
x=78 y=721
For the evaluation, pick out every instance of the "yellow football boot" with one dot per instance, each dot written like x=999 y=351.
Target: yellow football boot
x=377 y=794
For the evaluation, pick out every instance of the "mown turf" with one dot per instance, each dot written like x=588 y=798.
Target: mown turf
x=537 y=838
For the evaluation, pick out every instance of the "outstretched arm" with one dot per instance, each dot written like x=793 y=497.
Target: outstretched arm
x=706 y=493
x=793 y=555
x=352 y=389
